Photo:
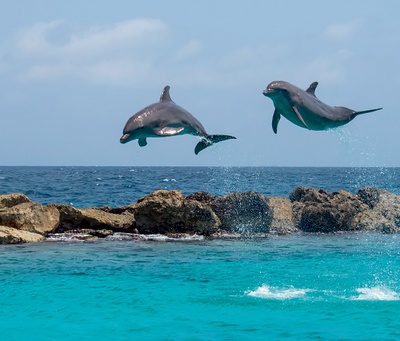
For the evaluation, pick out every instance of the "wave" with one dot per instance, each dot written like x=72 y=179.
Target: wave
x=70 y=237
x=120 y=236
x=379 y=293
x=268 y=292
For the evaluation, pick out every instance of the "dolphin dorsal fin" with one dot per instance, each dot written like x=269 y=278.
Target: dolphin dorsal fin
x=165 y=94
x=311 y=88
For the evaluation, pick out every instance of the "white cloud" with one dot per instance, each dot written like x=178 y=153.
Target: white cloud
x=35 y=42
x=192 y=48
x=115 y=71
x=341 y=31
x=113 y=54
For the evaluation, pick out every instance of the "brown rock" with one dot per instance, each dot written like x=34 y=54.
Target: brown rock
x=10 y=235
x=30 y=216
x=10 y=200
x=98 y=219
x=247 y=212
x=316 y=210
x=384 y=213
x=93 y=218
x=168 y=211
x=282 y=216
x=95 y=233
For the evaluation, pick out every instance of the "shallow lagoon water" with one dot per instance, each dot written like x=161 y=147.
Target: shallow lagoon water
x=314 y=287
x=305 y=286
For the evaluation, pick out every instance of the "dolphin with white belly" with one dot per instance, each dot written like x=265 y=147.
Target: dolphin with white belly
x=166 y=118
x=304 y=109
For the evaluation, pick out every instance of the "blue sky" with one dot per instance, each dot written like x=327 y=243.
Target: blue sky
x=73 y=72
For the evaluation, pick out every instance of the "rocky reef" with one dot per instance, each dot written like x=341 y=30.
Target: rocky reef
x=173 y=215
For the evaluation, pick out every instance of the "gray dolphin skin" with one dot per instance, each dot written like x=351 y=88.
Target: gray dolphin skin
x=165 y=118
x=304 y=109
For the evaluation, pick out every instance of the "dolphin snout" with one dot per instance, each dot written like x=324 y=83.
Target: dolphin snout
x=124 y=138
x=268 y=91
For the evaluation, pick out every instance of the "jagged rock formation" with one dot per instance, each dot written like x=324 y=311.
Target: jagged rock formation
x=202 y=213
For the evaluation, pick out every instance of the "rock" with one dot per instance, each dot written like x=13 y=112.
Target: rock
x=70 y=217
x=122 y=209
x=30 y=216
x=10 y=200
x=169 y=211
x=302 y=194
x=91 y=232
x=316 y=210
x=282 y=222
x=384 y=213
x=93 y=218
x=203 y=197
x=10 y=235
x=247 y=212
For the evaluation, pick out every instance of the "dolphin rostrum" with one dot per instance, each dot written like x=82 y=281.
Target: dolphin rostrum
x=165 y=118
x=304 y=109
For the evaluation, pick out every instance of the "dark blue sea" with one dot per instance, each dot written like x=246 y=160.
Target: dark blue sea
x=298 y=287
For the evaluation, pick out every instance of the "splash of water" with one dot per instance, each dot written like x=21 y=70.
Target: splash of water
x=268 y=292
x=379 y=293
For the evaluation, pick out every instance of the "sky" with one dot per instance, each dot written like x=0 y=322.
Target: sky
x=73 y=72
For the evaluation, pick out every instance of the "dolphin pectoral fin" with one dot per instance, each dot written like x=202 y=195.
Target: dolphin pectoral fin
x=275 y=121
x=208 y=140
x=142 y=142
x=169 y=131
x=296 y=111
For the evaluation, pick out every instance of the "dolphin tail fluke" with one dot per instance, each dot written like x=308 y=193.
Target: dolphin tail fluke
x=366 y=111
x=209 y=140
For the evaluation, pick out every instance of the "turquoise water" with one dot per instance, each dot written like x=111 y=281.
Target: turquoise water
x=299 y=287
x=318 y=287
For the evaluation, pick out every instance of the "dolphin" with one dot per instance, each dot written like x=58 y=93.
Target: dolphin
x=304 y=109
x=165 y=118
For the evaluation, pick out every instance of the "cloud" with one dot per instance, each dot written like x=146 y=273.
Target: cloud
x=192 y=48
x=35 y=41
x=341 y=31
x=115 y=71
x=114 y=54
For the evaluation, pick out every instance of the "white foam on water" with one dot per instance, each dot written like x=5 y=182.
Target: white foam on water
x=379 y=293
x=178 y=237
x=70 y=237
x=274 y=293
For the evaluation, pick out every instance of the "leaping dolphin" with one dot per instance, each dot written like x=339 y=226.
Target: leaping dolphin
x=304 y=109
x=165 y=118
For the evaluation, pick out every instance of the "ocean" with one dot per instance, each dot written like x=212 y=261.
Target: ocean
x=297 y=287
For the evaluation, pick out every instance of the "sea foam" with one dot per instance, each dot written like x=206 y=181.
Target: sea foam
x=379 y=293
x=268 y=292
